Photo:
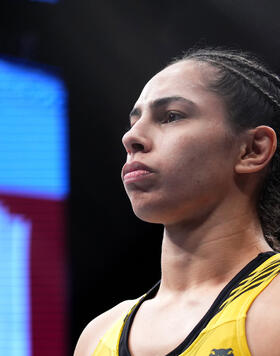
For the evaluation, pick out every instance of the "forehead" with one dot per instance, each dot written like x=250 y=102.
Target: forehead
x=187 y=78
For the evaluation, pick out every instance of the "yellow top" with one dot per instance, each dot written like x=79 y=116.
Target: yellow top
x=222 y=330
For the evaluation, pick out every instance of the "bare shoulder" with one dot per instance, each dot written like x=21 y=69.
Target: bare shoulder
x=263 y=321
x=98 y=326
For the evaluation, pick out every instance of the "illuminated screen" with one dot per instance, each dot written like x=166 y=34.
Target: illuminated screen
x=34 y=186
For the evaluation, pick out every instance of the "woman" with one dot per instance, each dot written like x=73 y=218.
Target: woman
x=203 y=160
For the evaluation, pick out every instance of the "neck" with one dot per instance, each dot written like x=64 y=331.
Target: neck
x=209 y=254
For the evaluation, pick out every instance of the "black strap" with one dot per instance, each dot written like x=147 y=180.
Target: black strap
x=213 y=310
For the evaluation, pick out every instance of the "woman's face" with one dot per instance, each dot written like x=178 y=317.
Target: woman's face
x=180 y=151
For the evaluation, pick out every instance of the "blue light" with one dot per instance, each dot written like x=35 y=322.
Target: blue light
x=33 y=132
x=33 y=163
x=15 y=326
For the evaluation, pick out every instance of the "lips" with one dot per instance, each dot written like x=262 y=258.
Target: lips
x=135 y=171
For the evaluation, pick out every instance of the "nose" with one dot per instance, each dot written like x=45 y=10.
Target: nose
x=137 y=139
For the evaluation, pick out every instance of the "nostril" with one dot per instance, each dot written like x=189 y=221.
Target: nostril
x=137 y=147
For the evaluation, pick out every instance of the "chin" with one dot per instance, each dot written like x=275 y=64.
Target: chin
x=152 y=214
x=161 y=210
x=147 y=217
x=147 y=214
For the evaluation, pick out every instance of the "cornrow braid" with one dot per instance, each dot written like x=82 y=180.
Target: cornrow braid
x=243 y=61
x=253 y=83
x=252 y=95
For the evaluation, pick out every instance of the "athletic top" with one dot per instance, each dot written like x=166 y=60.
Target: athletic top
x=222 y=329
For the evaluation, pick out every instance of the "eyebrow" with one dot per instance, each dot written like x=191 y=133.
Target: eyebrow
x=161 y=102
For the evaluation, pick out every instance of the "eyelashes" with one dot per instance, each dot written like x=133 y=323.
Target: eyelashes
x=163 y=118
x=172 y=116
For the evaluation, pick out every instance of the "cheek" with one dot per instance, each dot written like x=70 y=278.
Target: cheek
x=194 y=161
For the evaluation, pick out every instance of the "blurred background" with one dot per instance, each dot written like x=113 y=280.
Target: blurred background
x=70 y=72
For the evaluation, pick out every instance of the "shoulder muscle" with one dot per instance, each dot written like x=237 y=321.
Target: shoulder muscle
x=263 y=322
x=98 y=326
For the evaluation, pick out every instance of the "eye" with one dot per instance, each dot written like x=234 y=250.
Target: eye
x=172 y=116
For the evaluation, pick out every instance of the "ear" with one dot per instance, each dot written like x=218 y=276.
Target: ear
x=256 y=150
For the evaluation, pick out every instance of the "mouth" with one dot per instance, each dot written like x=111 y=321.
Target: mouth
x=135 y=171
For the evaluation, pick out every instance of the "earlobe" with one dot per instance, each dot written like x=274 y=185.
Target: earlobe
x=256 y=150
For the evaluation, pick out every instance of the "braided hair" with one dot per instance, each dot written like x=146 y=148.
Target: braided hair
x=252 y=96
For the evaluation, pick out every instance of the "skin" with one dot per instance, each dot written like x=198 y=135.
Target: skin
x=203 y=189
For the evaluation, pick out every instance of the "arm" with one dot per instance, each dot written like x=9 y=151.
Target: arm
x=98 y=326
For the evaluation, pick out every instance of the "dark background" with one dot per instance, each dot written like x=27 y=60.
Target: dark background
x=107 y=50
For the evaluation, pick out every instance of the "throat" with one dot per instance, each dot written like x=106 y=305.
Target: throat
x=198 y=261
